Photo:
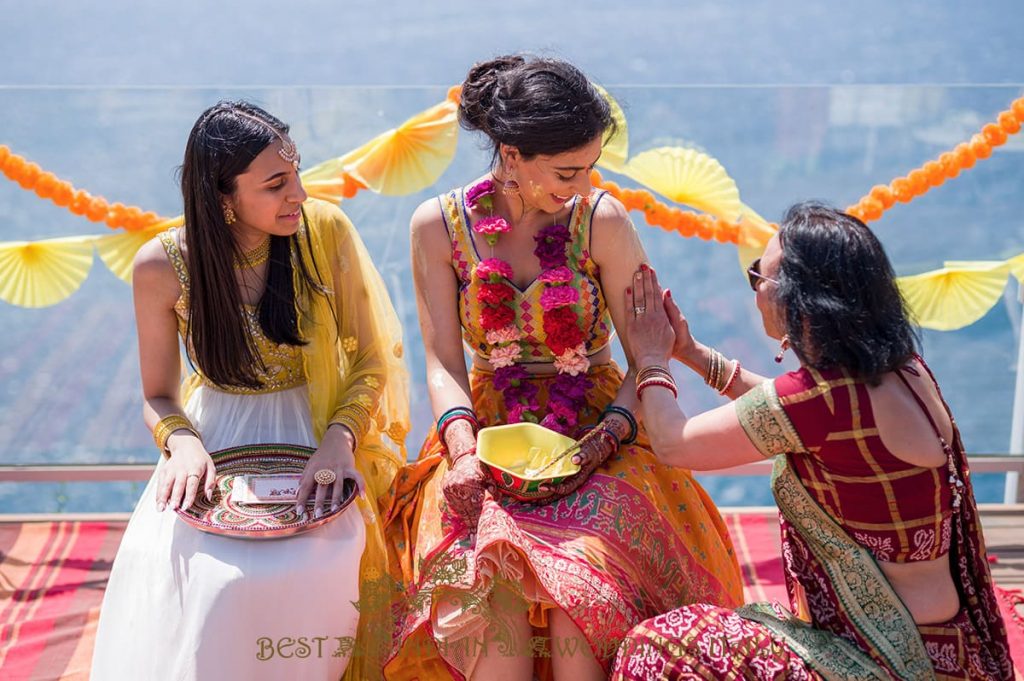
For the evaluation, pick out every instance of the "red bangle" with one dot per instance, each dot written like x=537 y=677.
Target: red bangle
x=656 y=381
x=452 y=419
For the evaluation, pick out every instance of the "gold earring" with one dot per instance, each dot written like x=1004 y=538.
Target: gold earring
x=510 y=188
x=783 y=346
x=229 y=215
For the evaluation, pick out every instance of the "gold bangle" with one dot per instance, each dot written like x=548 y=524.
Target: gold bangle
x=168 y=425
x=716 y=370
x=718 y=376
x=353 y=416
x=711 y=367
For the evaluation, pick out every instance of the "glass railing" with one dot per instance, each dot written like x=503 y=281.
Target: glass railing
x=69 y=385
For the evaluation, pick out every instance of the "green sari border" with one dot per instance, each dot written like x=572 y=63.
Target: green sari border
x=834 y=658
x=765 y=422
x=865 y=596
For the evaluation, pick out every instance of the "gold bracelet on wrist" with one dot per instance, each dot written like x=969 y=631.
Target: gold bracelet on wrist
x=353 y=416
x=168 y=425
x=716 y=373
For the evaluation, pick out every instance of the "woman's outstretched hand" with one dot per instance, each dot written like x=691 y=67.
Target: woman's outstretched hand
x=650 y=330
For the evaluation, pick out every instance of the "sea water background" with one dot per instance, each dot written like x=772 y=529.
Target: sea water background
x=797 y=100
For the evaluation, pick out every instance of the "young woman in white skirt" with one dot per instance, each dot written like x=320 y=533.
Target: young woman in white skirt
x=293 y=340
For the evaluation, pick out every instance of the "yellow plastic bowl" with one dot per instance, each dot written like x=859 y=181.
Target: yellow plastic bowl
x=515 y=455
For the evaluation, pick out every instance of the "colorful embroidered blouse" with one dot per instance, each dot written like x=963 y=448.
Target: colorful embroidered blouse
x=592 y=309
x=282 y=362
x=823 y=422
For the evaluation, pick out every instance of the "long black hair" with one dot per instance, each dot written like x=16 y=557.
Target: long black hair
x=222 y=145
x=538 y=106
x=838 y=291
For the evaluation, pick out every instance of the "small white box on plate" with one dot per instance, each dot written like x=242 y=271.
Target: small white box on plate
x=265 y=489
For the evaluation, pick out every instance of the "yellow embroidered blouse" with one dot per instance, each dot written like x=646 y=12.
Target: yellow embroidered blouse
x=282 y=362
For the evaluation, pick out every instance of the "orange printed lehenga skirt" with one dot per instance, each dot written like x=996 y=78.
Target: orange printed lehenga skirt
x=638 y=539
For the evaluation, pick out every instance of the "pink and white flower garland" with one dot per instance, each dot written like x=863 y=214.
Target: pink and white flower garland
x=498 y=317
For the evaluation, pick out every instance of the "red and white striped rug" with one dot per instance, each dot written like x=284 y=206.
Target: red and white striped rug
x=52 y=576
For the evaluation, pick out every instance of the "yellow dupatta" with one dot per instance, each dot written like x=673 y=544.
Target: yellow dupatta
x=353 y=363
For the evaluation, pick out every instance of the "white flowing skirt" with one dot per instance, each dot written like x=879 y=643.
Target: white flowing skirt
x=191 y=606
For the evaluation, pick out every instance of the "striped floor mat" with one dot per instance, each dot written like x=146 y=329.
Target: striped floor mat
x=52 y=576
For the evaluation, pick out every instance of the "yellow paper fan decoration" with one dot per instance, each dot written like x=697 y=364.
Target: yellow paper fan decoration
x=616 y=146
x=118 y=250
x=687 y=176
x=398 y=162
x=43 y=273
x=958 y=294
x=1016 y=264
x=754 y=234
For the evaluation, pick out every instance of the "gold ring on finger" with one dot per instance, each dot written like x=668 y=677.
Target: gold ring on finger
x=325 y=476
x=193 y=475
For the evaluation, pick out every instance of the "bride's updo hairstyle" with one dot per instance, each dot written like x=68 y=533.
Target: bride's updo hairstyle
x=538 y=106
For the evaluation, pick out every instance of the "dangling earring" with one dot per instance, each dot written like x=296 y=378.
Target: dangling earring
x=510 y=188
x=229 y=215
x=783 y=346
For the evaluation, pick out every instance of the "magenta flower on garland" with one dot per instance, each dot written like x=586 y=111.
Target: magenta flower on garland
x=558 y=296
x=556 y=275
x=480 y=195
x=493 y=270
x=551 y=243
x=491 y=228
x=569 y=388
x=509 y=378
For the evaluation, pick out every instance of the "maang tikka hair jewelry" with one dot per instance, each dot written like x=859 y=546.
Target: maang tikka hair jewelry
x=288 y=151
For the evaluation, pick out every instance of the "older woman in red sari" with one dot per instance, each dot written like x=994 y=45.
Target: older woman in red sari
x=884 y=557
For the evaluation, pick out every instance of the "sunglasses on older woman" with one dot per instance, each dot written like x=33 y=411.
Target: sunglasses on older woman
x=754 y=274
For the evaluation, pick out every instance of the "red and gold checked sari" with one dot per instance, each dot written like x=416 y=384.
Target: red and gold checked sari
x=637 y=539
x=849 y=622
